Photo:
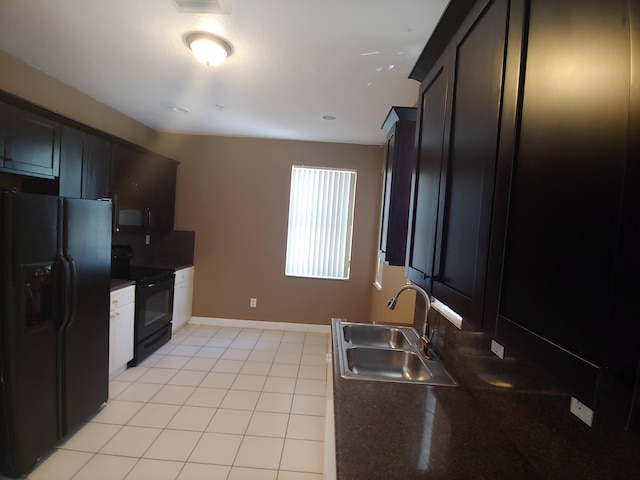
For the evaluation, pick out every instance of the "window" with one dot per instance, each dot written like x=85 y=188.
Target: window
x=321 y=206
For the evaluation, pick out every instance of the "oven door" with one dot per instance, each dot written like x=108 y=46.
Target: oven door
x=154 y=307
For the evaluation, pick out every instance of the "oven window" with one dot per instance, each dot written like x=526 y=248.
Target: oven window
x=130 y=217
x=157 y=306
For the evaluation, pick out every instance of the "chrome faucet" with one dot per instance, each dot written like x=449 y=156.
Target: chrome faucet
x=425 y=334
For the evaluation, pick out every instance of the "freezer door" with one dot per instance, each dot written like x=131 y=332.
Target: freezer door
x=28 y=393
x=85 y=338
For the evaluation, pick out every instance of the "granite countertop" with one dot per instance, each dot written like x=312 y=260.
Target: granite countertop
x=117 y=283
x=388 y=430
x=169 y=265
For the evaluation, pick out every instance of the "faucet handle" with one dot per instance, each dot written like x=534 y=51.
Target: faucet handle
x=423 y=348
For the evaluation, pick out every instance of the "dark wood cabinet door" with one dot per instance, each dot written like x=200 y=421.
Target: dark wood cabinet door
x=71 y=154
x=425 y=190
x=386 y=194
x=31 y=143
x=3 y=132
x=623 y=348
x=85 y=165
x=426 y=181
x=126 y=169
x=399 y=166
x=567 y=190
x=96 y=177
x=166 y=196
x=469 y=160
x=160 y=178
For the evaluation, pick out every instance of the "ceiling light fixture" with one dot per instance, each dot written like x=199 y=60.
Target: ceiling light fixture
x=208 y=48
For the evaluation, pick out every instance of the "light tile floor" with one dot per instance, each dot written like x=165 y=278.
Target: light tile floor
x=215 y=403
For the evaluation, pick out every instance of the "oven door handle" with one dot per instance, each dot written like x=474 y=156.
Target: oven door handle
x=154 y=283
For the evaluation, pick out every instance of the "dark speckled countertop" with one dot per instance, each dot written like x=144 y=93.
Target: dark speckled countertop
x=117 y=283
x=169 y=265
x=404 y=431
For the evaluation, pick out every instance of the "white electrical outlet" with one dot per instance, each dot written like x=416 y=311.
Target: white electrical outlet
x=497 y=349
x=253 y=303
x=581 y=411
x=147 y=239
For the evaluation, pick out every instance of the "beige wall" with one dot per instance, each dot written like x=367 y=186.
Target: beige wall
x=392 y=279
x=24 y=81
x=234 y=193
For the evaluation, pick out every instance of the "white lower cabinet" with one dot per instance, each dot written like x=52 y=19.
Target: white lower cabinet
x=182 y=297
x=121 y=329
x=330 y=469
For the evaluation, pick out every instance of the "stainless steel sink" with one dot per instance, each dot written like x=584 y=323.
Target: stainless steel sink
x=387 y=364
x=385 y=353
x=375 y=336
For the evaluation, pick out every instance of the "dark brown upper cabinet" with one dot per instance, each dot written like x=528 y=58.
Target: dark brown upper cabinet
x=565 y=242
x=458 y=125
x=400 y=160
x=53 y=155
x=29 y=143
x=525 y=206
x=96 y=175
x=144 y=189
x=85 y=164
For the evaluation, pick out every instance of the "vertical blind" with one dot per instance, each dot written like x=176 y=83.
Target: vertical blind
x=321 y=206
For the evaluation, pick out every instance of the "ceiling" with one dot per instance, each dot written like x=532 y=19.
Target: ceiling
x=294 y=61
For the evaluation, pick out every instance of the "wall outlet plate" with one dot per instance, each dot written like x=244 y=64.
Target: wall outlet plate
x=497 y=349
x=581 y=411
x=253 y=303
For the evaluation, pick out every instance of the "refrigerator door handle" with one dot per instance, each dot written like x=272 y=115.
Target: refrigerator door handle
x=71 y=291
x=62 y=288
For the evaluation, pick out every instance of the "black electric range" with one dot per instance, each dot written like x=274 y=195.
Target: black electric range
x=153 y=302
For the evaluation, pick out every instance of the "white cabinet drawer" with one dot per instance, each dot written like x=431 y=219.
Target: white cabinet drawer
x=121 y=329
x=183 y=293
x=120 y=339
x=122 y=296
x=184 y=274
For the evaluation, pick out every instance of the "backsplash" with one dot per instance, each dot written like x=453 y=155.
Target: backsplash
x=532 y=409
x=167 y=249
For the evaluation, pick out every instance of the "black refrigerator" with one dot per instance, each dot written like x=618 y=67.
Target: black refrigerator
x=54 y=323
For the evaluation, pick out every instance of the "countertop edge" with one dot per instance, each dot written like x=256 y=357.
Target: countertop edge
x=117 y=284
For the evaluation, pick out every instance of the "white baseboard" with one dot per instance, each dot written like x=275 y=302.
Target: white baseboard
x=230 y=322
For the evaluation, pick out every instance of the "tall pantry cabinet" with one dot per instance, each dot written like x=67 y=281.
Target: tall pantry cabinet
x=525 y=214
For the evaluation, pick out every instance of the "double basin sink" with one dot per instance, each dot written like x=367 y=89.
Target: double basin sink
x=386 y=353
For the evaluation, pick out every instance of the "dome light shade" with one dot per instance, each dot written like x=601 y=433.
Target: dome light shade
x=208 y=48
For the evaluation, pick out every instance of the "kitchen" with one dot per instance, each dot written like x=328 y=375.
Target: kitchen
x=199 y=185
